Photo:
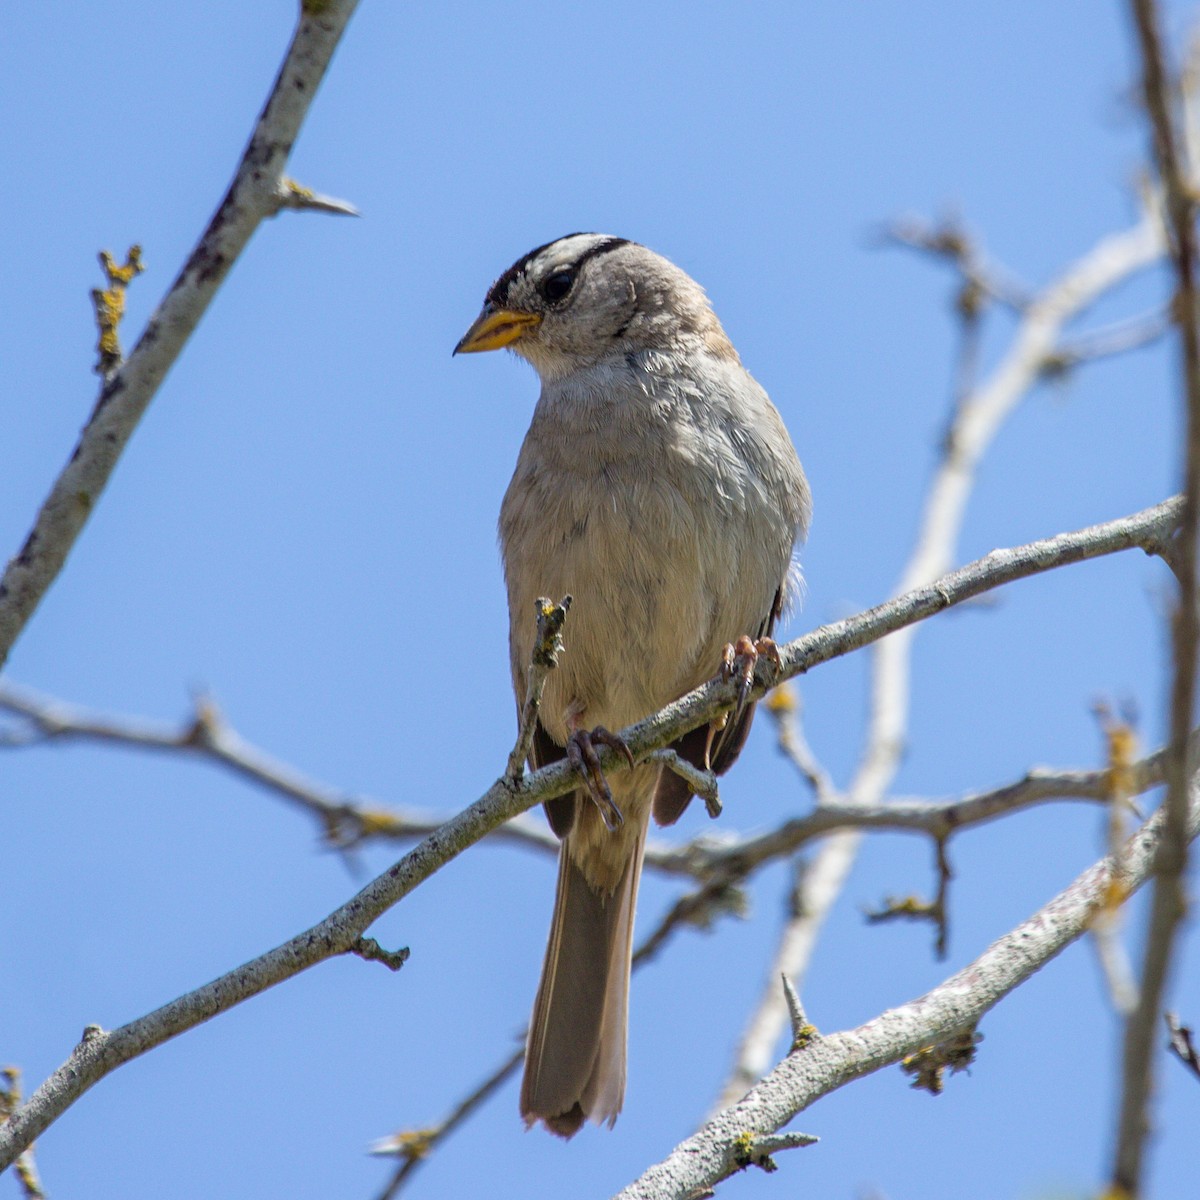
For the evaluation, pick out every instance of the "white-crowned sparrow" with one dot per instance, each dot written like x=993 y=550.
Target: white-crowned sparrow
x=658 y=487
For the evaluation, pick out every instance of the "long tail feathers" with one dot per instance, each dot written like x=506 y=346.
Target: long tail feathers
x=575 y=1055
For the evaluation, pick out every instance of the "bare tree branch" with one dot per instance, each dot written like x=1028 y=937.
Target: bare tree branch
x=1117 y=338
x=346 y=821
x=1169 y=903
x=349 y=822
x=1114 y=258
x=827 y=1063
x=939 y=819
x=951 y=242
x=783 y=706
x=102 y=1052
x=977 y=415
x=208 y=733
x=413 y=1147
x=258 y=190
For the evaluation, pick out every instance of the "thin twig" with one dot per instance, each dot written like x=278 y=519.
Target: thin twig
x=803 y=1030
x=547 y=646
x=913 y=908
x=1117 y=338
x=750 y=1150
x=414 y=1147
x=951 y=242
x=291 y=194
x=936 y=818
x=703 y=783
x=783 y=706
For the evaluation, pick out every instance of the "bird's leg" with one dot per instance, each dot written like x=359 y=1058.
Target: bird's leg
x=581 y=753
x=739 y=660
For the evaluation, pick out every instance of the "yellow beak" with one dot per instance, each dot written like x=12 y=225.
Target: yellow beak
x=496 y=327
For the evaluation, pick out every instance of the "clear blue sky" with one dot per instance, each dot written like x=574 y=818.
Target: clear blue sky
x=305 y=524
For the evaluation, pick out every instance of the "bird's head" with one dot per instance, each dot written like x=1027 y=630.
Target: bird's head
x=574 y=302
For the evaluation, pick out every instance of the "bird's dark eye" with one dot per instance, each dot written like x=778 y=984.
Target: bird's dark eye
x=558 y=285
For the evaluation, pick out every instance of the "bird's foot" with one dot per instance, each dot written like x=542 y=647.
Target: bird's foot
x=581 y=753
x=740 y=660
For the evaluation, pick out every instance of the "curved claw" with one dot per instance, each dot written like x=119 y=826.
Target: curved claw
x=600 y=734
x=581 y=753
x=740 y=660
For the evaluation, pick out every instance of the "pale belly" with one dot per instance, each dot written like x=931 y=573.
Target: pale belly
x=660 y=583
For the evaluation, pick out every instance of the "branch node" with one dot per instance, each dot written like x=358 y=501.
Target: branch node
x=804 y=1032
x=344 y=827
x=1056 y=365
x=1182 y=1043
x=928 y=1067
x=703 y=783
x=92 y=1036
x=291 y=194
x=370 y=950
x=755 y=1150
x=410 y=1145
x=952 y=242
x=206 y=725
x=550 y=620
x=900 y=908
x=109 y=305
